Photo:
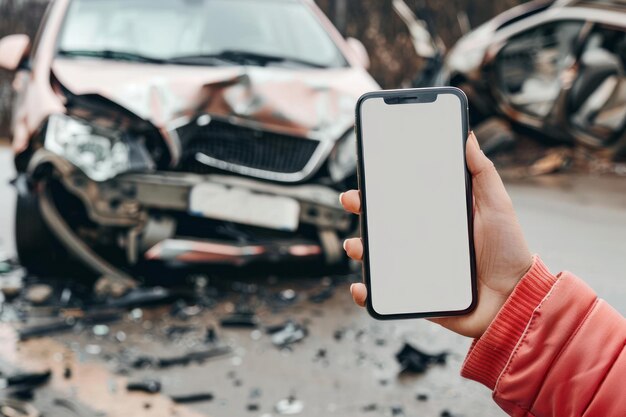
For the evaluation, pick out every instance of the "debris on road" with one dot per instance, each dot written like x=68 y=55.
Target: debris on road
x=421 y=397
x=11 y=282
x=211 y=336
x=115 y=287
x=38 y=293
x=553 y=161
x=140 y=297
x=286 y=334
x=321 y=295
x=39 y=330
x=242 y=319
x=192 y=398
x=180 y=360
x=10 y=407
x=27 y=379
x=150 y=386
x=289 y=406
x=413 y=360
x=100 y=330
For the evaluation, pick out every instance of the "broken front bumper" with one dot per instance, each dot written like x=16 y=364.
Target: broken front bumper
x=146 y=208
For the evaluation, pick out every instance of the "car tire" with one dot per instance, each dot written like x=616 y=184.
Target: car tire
x=38 y=250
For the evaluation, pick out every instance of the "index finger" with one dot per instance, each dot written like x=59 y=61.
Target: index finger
x=351 y=201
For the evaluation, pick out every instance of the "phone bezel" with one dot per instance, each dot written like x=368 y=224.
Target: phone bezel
x=410 y=93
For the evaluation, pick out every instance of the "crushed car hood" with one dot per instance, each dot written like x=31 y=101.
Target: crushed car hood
x=316 y=103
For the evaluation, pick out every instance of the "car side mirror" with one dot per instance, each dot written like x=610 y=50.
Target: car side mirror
x=13 y=49
x=359 y=51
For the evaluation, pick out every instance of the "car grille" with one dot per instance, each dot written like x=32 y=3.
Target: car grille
x=240 y=146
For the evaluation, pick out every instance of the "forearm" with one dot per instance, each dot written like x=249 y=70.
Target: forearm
x=550 y=348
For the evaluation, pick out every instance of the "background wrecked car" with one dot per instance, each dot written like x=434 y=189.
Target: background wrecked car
x=556 y=68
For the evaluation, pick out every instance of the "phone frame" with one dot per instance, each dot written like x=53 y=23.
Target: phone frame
x=411 y=94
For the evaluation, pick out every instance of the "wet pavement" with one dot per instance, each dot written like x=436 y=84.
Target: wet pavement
x=269 y=346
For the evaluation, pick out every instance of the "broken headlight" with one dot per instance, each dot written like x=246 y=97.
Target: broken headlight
x=342 y=159
x=99 y=152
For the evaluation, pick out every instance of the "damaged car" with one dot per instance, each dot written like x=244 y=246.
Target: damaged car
x=556 y=68
x=183 y=132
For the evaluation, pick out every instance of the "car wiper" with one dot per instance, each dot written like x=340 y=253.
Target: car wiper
x=110 y=54
x=243 y=57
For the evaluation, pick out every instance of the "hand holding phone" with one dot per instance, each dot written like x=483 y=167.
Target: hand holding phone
x=502 y=255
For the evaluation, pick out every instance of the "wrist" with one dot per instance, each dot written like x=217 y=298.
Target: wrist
x=490 y=352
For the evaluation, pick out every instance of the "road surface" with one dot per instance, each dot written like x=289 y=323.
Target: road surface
x=345 y=366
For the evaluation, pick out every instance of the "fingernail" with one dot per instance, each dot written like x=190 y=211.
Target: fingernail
x=351 y=288
x=345 y=243
x=340 y=197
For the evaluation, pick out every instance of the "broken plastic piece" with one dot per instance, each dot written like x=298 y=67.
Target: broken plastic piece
x=185 y=359
x=413 y=360
x=287 y=334
x=289 y=406
x=38 y=294
x=240 y=319
x=192 y=398
x=141 y=297
x=321 y=295
x=31 y=379
x=150 y=386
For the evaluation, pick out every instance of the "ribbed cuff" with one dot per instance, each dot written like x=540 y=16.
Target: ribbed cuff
x=489 y=354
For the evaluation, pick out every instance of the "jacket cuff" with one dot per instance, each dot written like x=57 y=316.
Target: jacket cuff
x=489 y=354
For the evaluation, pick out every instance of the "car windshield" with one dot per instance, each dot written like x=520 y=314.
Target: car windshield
x=199 y=32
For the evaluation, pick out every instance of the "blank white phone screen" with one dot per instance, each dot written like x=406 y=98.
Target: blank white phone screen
x=413 y=165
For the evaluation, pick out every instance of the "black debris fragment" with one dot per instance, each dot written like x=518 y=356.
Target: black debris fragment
x=253 y=407
x=397 y=410
x=211 y=335
x=322 y=295
x=413 y=360
x=289 y=406
x=38 y=330
x=255 y=392
x=421 y=397
x=176 y=331
x=370 y=407
x=192 y=398
x=140 y=297
x=150 y=386
x=242 y=319
x=183 y=311
x=181 y=360
x=67 y=372
x=338 y=334
x=448 y=413
x=288 y=333
x=27 y=379
x=320 y=354
x=68 y=323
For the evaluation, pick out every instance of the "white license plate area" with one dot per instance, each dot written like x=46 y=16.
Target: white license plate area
x=241 y=206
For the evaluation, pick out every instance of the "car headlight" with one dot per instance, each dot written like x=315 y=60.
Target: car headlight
x=343 y=158
x=99 y=152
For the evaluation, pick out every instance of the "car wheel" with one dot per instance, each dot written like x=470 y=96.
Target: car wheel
x=38 y=250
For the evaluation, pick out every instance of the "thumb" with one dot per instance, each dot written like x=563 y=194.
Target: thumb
x=487 y=185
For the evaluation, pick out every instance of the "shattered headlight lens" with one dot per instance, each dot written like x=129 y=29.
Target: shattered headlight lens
x=100 y=153
x=343 y=158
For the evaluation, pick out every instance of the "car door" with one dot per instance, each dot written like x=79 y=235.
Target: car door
x=531 y=70
x=596 y=103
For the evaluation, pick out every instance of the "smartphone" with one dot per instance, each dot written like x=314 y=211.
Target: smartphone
x=416 y=203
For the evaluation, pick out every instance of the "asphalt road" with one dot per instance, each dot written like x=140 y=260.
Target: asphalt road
x=346 y=365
